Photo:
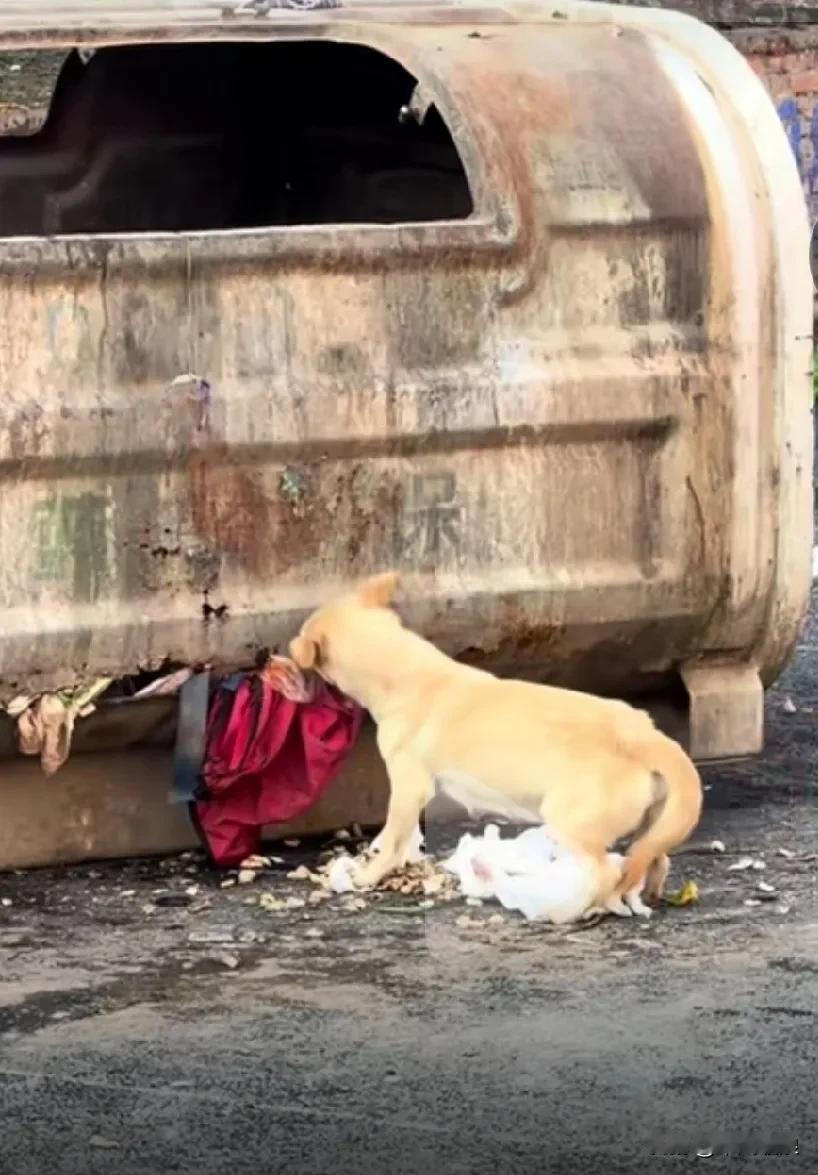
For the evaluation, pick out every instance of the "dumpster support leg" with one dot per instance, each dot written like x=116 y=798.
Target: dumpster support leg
x=726 y=710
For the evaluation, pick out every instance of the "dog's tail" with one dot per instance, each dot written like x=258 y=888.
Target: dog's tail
x=675 y=811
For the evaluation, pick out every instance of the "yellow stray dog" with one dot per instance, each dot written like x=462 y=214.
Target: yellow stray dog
x=594 y=770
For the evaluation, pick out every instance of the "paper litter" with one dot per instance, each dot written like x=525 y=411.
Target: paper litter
x=527 y=873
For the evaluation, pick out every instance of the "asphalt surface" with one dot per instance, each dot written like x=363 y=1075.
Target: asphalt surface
x=139 y=1036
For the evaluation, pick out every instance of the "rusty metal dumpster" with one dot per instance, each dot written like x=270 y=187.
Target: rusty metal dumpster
x=515 y=299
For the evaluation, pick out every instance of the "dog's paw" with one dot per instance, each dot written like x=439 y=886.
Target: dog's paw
x=638 y=907
x=619 y=907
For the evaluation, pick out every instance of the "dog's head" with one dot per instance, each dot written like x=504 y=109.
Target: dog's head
x=340 y=640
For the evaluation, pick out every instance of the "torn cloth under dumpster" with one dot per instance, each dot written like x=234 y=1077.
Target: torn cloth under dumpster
x=45 y=724
x=268 y=758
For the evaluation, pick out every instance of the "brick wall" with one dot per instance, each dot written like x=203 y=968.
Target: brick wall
x=787 y=61
x=781 y=43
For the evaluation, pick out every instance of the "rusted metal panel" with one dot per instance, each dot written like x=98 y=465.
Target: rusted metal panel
x=574 y=418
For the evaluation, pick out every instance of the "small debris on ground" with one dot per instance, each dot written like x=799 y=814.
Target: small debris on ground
x=686 y=896
x=744 y=863
x=229 y=960
x=210 y=937
x=271 y=903
x=258 y=862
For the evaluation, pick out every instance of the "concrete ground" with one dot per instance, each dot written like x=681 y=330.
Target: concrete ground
x=145 y=1029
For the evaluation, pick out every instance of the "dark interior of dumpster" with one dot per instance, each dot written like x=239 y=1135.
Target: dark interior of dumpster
x=190 y=138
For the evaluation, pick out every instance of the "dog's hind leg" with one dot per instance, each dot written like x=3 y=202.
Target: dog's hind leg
x=600 y=869
x=655 y=879
x=410 y=789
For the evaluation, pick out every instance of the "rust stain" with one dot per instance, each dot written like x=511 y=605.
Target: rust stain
x=231 y=512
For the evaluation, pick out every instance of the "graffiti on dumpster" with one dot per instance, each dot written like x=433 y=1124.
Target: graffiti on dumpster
x=434 y=518
x=70 y=534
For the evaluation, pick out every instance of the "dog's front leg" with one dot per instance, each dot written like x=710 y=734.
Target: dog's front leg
x=410 y=789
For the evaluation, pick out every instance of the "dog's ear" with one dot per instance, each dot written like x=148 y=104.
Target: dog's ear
x=304 y=652
x=379 y=591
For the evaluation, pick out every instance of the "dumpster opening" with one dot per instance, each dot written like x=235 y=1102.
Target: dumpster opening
x=188 y=137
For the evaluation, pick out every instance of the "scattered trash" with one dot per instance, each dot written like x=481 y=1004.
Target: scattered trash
x=752 y=902
x=294 y=903
x=270 y=903
x=464 y=922
x=102 y=1144
x=789 y=706
x=787 y=854
x=257 y=863
x=765 y=887
x=686 y=896
x=717 y=846
x=744 y=863
x=6 y=902
x=228 y=960
x=227 y=883
x=246 y=876
x=340 y=875
x=302 y=873
x=313 y=932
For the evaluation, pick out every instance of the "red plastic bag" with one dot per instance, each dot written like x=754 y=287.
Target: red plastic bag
x=268 y=760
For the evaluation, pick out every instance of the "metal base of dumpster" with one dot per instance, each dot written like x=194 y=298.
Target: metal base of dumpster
x=115 y=805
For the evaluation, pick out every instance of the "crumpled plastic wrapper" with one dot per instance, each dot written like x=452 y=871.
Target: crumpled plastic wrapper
x=530 y=874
